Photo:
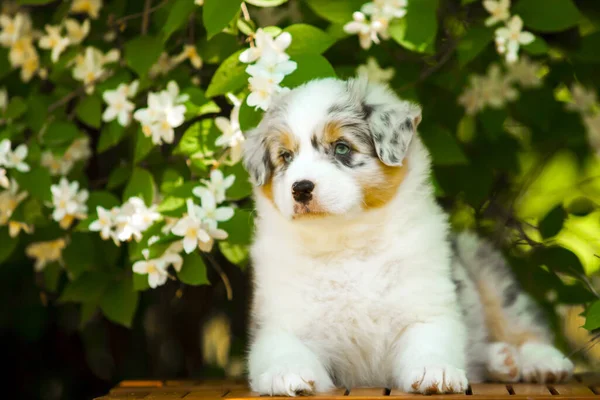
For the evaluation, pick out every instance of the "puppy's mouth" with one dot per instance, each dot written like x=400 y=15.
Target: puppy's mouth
x=309 y=209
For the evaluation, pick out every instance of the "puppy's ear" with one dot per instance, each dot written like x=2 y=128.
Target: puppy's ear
x=256 y=158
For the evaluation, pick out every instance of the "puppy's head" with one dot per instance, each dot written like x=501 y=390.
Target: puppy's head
x=331 y=147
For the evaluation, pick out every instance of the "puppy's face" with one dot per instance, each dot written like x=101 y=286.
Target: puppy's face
x=331 y=147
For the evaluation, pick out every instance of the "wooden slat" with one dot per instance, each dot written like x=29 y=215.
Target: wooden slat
x=572 y=389
x=166 y=396
x=137 y=383
x=367 y=392
x=130 y=393
x=399 y=393
x=489 y=389
x=529 y=389
x=205 y=394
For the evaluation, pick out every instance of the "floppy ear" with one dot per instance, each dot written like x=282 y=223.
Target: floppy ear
x=393 y=126
x=256 y=158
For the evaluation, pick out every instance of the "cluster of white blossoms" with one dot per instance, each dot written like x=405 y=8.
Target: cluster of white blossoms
x=167 y=63
x=57 y=165
x=269 y=64
x=54 y=40
x=12 y=159
x=373 y=20
x=46 y=252
x=199 y=225
x=17 y=35
x=497 y=88
x=90 y=66
x=165 y=112
x=374 y=73
x=585 y=102
x=156 y=268
x=9 y=201
x=231 y=133
x=511 y=36
x=69 y=202
x=125 y=223
x=119 y=106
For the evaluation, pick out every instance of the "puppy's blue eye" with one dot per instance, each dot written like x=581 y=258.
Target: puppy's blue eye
x=287 y=157
x=342 y=149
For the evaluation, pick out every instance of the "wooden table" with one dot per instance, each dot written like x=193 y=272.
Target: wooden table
x=586 y=386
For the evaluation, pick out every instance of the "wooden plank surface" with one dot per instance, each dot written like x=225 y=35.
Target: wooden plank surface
x=368 y=392
x=572 y=389
x=489 y=389
x=527 y=389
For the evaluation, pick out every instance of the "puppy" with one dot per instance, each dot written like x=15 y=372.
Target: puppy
x=356 y=282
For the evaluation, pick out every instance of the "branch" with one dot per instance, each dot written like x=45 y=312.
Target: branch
x=146 y=16
x=77 y=92
x=435 y=67
x=141 y=14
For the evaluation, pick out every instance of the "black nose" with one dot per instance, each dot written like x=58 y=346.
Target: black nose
x=302 y=191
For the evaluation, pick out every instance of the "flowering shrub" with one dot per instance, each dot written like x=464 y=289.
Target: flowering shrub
x=122 y=125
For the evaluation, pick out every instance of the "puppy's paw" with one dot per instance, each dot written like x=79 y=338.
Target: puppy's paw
x=290 y=381
x=434 y=379
x=503 y=363
x=542 y=363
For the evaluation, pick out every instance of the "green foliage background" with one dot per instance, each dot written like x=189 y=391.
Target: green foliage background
x=523 y=174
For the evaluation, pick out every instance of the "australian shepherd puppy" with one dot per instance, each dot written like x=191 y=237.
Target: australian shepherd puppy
x=357 y=281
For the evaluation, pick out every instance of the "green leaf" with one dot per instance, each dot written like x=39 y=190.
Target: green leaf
x=52 y=273
x=119 y=302
x=89 y=111
x=473 y=43
x=103 y=199
x=537 y=47
x=79 y=253
x=218 y=48
x=306 y=39
x=559 y=259
x=35 y=2
x=443 y=147
x=592 y=316
x=229 y=77
x=140 y=282
x=217 y=14
x=241 y=187
x=8 y=244
x=235 y=253
x=418 y=29
x=465 y=2
x=112 y=133
x=141 y=184
x=179 y=14
x=60 y=133
x=249 y=117
x=118 y=177
x=310 y=66
x=339 y=11
x=239 y=227
x=172 y=206
x=142 y=52
x=193 y=271
x=548 y=15
x=87 y=288
x=552 y=222
x=37 y=182
x=143 y=146
x=266 y=3
x=15 y=108
x=87 y=312
x=581 y=206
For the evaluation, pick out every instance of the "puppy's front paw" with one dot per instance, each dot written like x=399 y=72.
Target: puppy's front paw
x=289 y=381
x=434 y=379
x=542 y=363
x=503 y=362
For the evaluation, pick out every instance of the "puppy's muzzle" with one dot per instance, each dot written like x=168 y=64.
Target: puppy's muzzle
x=302 y=191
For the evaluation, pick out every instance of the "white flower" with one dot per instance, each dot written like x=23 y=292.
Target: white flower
x=214 y=233
x=592 y=123
x=191 y=229
x=209 y=213
x=499 y=10
x=15 y=227
x=104 y=223
x=77 y=32
x=270 y=65
x=46 y=252
x=89 y=67
x=3 y=99
x=388 y=9
x=54 y=41
x=471 y=99
x=69 y=202
x=511 y=37
x=14 y=29
x=163 y=66
x=262 y=89
x=78 y=150
x=190 y=53
x=217 y=185
x=374 y=72
x=89 y=7
x=55 y=165
x=4 y=182
x=156 y=269
x=23 y=54
x=496 y=89
x=265 y=44
x=133 y=218
x=118 y=107
x=232 y=135
x=583 y=100
x=525 y=72
x=368 y=31
x=10 y=200
x=13 y=159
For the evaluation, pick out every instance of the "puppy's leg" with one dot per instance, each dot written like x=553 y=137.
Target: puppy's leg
x=431 y=357
x=503 y=363
x=279 y=364
x=543 y=363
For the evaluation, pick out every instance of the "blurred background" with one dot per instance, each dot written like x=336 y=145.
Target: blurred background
x=121 y=124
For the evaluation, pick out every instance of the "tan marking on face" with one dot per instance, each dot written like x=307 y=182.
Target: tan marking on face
x=498 y=324
x=267 y=190
x=312 y=209
x=331 y=132
x=375 y=194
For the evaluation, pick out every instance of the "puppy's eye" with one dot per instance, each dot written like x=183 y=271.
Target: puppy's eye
x=342 y=149
x=287 y=157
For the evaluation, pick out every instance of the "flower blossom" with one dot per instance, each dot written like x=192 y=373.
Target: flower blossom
x=374 y=72
x=89 y=7
x=46 y=252
x=373 y=20
x=231 y=133
x=68 y=202
x=217 y=185
x=13 y=158
x=510 y=38
x=10 y=200
x=119 y=107
x=89 y=66
x=54 y=41
x=499 y=10
x=156 y=268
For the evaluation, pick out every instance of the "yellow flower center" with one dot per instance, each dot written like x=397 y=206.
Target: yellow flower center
x=146 y=130
x=152 y=268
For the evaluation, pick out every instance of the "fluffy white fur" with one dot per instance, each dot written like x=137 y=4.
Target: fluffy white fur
x=358 y=297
